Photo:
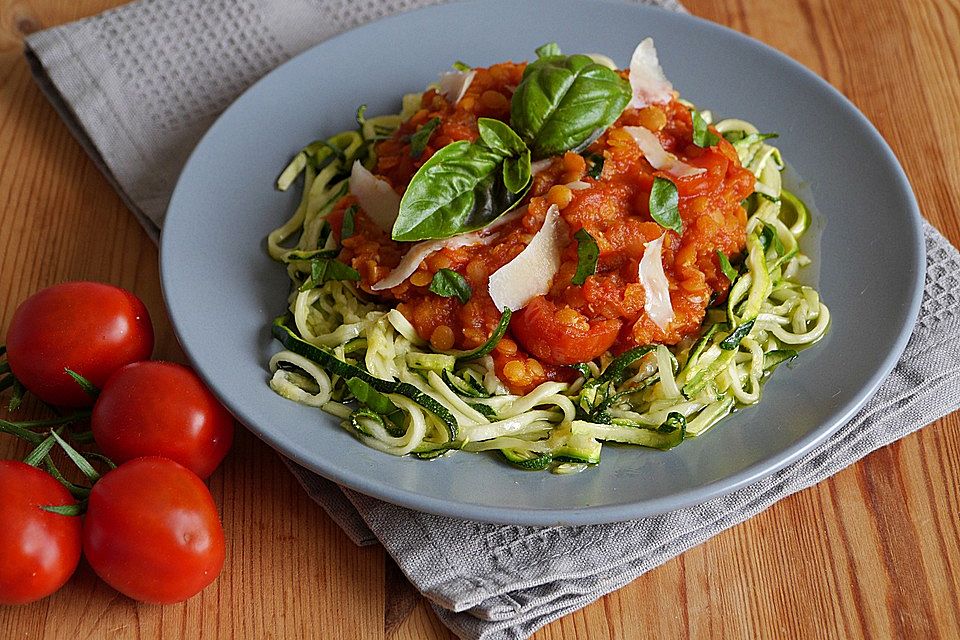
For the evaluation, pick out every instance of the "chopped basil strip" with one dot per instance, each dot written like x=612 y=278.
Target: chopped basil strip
x=728 y=270
x=587 y=254
x=462 y=66
x=732 y=341
x=448 y=283
x=324 y=269
x=702 y=136
x=595 y=166
x=465 y=186
x=566 y=102
x=419 y=140
x=664 y=204
x=346 y=229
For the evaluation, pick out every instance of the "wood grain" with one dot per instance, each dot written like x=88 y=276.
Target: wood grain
x=872 y=552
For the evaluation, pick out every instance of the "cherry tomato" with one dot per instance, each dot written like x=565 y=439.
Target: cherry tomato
x=88 y=327
x=39 y=550
x=152 y=531
x=163 y=409
x=538 y=329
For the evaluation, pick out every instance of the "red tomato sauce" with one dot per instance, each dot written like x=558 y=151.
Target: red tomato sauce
x=571 y=323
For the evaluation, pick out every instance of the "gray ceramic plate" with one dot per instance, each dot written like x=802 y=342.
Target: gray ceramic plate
x=222 y=290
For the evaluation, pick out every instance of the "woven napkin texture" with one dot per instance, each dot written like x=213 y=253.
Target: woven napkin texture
x=139 y=85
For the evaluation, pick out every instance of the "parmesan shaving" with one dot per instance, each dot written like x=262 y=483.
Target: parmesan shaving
x=647 y=81
x=376 y=197
x=531 y=273
x=454 y=84
x=540 y=165
x=603 y=60
x=420 y=251
x=659 y=157
x=656 y=287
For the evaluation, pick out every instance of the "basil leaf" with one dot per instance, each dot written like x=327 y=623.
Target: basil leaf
x=596 y=164
x=461 y=66
x=549 y=49
x=664 y=204
x=516 y=173
x=324 y=269
x=702 y=136
x=347 y=228
x=587 y=254
x=501 y=138
x=566 y=102
x=448 y=284
x=464 y=187
x=419 y=140
x=728 y=270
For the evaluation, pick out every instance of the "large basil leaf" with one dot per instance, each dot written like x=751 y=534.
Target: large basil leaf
x=566 y=102
x=501 y=138
x=465 y=186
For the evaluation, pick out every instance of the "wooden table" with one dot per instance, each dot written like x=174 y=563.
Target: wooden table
x=873 y=551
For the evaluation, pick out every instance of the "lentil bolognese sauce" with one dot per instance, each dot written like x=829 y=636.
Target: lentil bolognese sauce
x=535 y=258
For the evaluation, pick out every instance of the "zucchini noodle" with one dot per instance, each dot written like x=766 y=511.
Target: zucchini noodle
x=365 y=364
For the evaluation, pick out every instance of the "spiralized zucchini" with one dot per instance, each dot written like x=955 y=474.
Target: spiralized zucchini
x=366 y=365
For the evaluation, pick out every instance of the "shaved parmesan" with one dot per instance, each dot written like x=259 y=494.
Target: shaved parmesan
x=540 y=165
x=647 y=81
x=531 y=273
x=454 y=84
x=577 y=185
x=656 y=287
x=420 y=251
x=602 y=60
x=376 y=197
x=659 y=157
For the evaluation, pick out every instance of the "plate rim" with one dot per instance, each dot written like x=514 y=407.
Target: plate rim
x=589 y=514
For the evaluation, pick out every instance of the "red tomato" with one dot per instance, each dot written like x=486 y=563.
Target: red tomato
x=537 y=328
x=152 y=531
x=88 y=327
x=162 y=409
x=39 y=549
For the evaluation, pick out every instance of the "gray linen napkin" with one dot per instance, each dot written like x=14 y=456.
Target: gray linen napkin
x=130 y=85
